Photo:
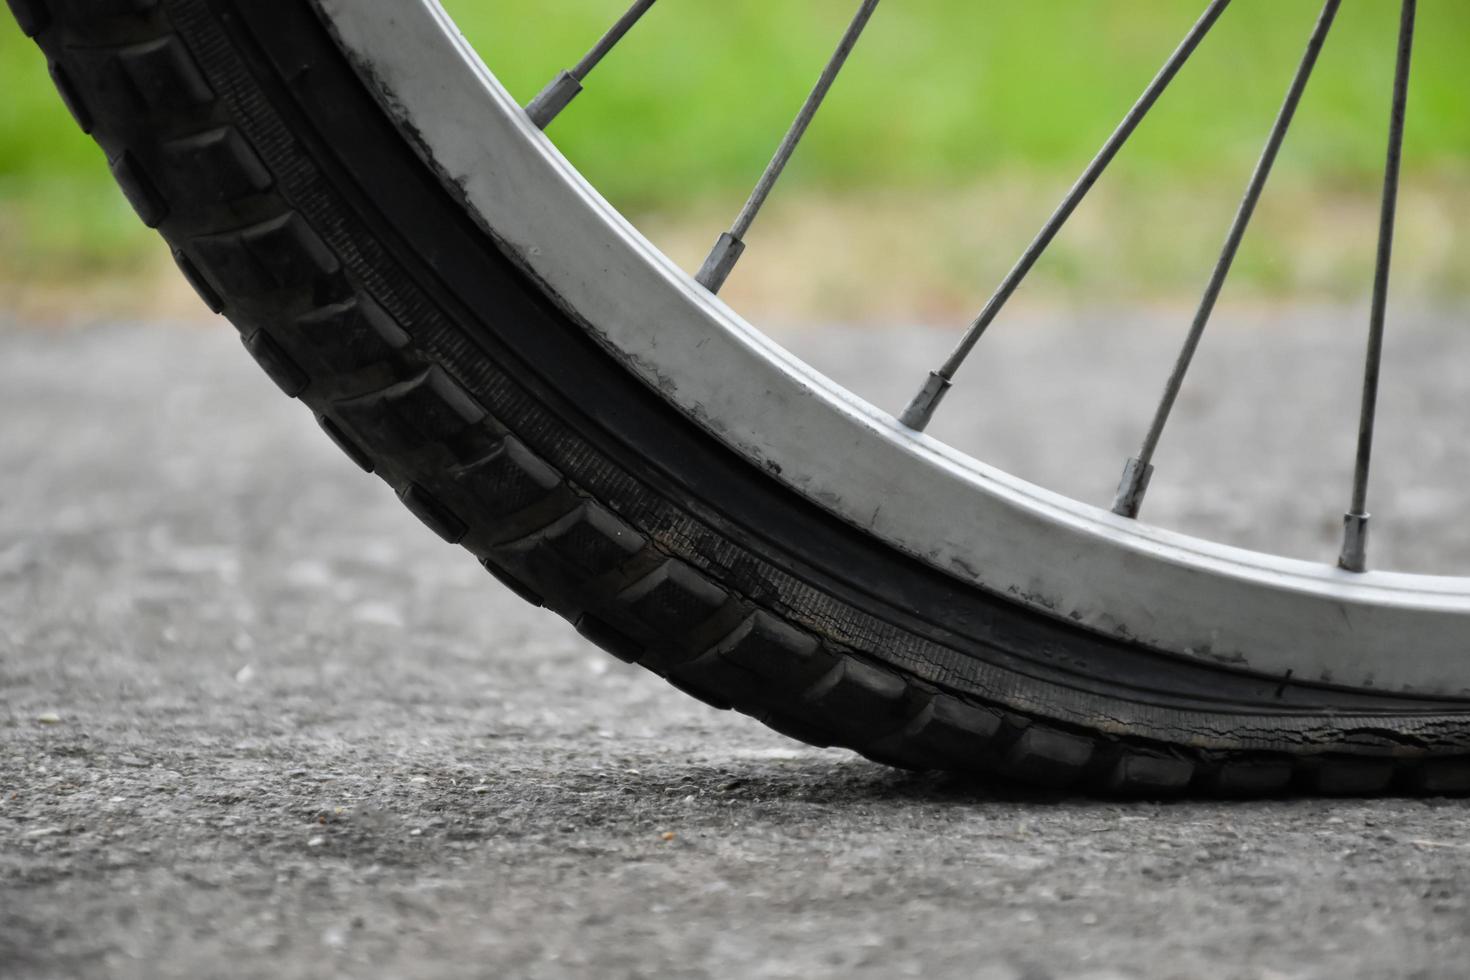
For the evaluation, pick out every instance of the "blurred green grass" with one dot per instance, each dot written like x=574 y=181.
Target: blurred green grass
x=943 y=92
x=943 y=96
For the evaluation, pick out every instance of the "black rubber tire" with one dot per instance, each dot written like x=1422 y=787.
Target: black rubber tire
x=359 y=284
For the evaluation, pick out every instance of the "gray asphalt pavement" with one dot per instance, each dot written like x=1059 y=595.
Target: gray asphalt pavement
x=256 y=722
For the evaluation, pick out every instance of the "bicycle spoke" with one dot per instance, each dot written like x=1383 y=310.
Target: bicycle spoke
x=565 y=87
x=1354 y=555
x=731 y=245
x=921 y=410
x=1139 y=469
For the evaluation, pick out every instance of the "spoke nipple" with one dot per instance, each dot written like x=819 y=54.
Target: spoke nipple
x=1354 y=557
x=721 y=262
x=921 y=410
x=1132 y=487
x=553 y=99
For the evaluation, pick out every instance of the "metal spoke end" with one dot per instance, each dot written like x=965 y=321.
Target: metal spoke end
x=1132 y=487
x=921 y=410
x=721 y=262
x=1354 y=557
x=727 y=252
x=1085 y=183
x=553 y=99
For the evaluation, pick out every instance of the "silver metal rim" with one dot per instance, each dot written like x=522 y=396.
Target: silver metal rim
x=1181 y=595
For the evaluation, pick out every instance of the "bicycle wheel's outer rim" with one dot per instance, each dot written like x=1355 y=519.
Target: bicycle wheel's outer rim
x=1180 y=595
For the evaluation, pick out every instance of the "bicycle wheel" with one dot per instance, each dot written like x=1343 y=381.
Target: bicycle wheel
x=402 y=248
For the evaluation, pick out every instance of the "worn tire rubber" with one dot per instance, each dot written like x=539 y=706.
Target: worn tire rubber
x=359 y=285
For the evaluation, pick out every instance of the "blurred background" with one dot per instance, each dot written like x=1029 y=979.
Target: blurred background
x=953 y=132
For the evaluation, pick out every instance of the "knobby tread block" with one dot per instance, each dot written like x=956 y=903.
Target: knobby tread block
x=1049 y=757
x=430 y=409
x=201 y=286
x=155 y=79
x=354 y=452
x=276 y=363
x=670 y=602
x=351 y=336
x=163 y=76
x=1135 y=771
x=760 y=663
x=718 y=681
x=1347 y=776
x=434 y=513
x=508 y=480
x=1253 y=777
x=276 y=255
x=900 y=748
x=180 y=144
x=859 y=702
x=511 y=582
x=666 y=610
x=795 y=726
x=138 y=189
x=850 y=680
x=585 y=544
x=67 y=89
x=946 y=729
x=775 y=652
x=213 y=167
x=610 y=638
x=1449 y=777
x=700 y=688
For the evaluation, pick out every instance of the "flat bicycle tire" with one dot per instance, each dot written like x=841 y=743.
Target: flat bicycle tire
x=300 y=211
